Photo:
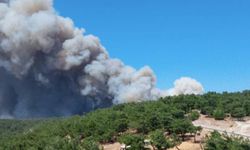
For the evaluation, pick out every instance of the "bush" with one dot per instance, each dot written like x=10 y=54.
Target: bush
x=224 y=142
x=135 y=141
x=181 y=127
x=194 y=115
x=207 y=110
x=219 y=114
x=238 y=112
x=159 y=140
x=89 y=144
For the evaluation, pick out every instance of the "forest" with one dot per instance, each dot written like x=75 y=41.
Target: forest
x=165 y=122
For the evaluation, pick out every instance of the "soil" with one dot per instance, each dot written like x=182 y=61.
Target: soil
x=229 y=125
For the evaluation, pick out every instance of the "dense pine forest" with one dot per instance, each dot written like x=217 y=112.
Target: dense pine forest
x=166 y=122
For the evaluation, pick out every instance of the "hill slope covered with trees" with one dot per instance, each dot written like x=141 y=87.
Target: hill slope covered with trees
x=131 y=123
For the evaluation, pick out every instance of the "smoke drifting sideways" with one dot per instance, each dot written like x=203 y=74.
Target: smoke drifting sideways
x=49 y=67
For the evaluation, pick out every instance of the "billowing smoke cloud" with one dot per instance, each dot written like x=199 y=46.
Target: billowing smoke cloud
x=185 y=86
x=48 y=67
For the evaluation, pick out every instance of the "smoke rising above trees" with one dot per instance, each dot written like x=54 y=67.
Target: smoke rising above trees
x=49 y=67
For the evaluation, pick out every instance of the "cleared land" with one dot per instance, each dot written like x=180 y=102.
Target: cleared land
x=230 y=126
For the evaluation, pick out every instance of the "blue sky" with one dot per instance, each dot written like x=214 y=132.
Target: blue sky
x=207 y=40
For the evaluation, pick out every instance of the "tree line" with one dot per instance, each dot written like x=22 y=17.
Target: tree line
x=165 y=122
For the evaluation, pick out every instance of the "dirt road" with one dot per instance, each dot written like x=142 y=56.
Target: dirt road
x=231 y=127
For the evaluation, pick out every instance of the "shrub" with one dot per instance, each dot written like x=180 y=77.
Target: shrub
x=238 y=112
x=89 y=144
x=219 y=114
x=159 y=140
x=135 y=141
x=194 y=115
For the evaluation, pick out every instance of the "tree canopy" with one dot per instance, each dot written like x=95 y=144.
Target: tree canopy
x=171 y=115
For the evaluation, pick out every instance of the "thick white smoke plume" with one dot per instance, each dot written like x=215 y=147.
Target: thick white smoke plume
x=48 y=67
x=184 y=86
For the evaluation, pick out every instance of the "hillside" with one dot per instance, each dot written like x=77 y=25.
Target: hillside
x=131 y=124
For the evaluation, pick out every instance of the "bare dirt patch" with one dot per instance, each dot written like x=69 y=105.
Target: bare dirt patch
x=228 y=125
x=113 y=146
x=188 y=146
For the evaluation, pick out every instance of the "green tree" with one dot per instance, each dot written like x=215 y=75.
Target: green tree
x=194 y=115
x=159 y=140
x=223 y=142
x=238 y=112
x=207 y=110
x=135 y=141
x=219 y=114
x=247 y=107
x=89 y=144
x=166 y=121
x=215 y=142
x=181 y=127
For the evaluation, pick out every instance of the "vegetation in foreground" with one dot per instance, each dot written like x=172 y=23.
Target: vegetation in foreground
x=130 y=124
x=224 y=142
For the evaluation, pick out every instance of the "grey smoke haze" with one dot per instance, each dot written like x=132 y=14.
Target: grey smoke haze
x=4 y=1
x=49 y=67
